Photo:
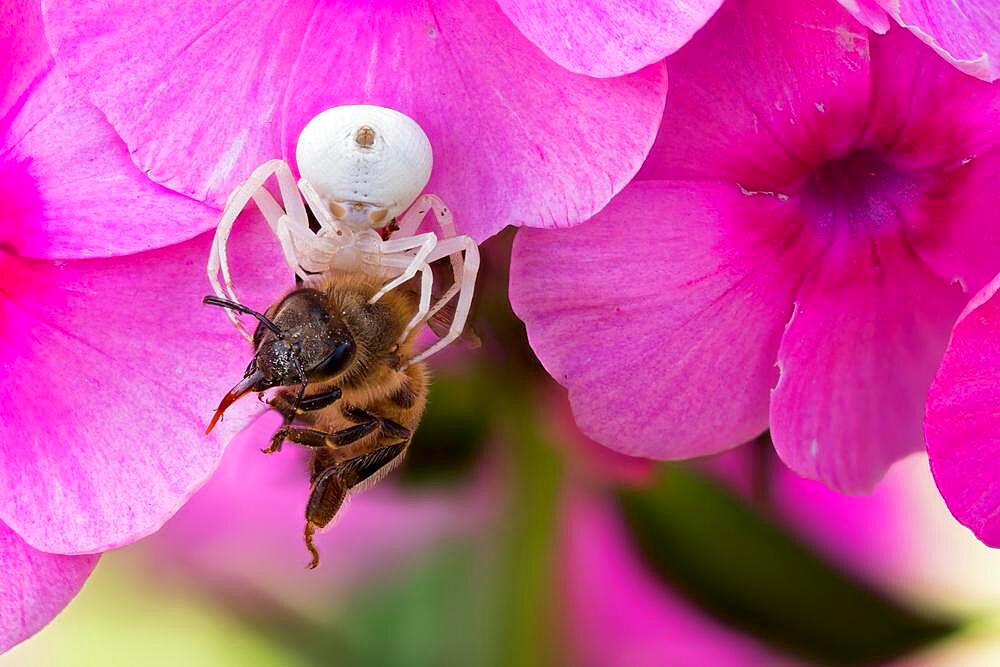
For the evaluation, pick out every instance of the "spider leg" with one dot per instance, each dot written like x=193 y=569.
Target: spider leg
x=253 y=188
x=316 y=251
x=410 y=221
x=426 y=287
x=422 y=243
x=466 y=283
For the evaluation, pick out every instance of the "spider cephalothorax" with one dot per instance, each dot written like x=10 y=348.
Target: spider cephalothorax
x=363 y=168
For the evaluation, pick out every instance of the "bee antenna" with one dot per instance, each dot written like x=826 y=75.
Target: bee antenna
x=239 y=307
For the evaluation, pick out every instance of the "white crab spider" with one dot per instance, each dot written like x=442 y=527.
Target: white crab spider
x=362 y=167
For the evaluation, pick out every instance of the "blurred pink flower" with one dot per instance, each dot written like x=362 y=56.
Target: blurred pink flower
x=962 y=424
x=110 y=365
x=208 y=92
x=813 y=194
x=34 y=586
x=965 y=32
x=244 y=527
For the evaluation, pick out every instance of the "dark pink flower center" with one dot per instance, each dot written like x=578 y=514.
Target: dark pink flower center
x=862 y=193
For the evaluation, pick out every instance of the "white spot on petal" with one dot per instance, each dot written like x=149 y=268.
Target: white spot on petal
x=780 y=196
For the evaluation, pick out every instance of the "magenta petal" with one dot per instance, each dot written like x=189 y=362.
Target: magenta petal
x=869 y=13
x=70 y=189
x=608 y=39
x=947 y=127
x=856 y=361
x=34 y=586
x=517 y=139
x=111 y=371
x=663 y=314
x=966 y=34
x=767 y=90
x=24 y=55
x=962 y=424
x=67 y=186
x=196 y=99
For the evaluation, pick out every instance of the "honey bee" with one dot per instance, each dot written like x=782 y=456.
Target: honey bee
x=347 y=386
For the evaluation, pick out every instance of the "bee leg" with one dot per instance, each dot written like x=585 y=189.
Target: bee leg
x=334 y=477
x=308 y=437
x=327 y=495
x=285 y=404
x=394 y=430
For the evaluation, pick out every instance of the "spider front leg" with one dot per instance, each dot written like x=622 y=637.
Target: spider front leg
x=281 y=221
x=426 y=288
x=410 y=265
x=422 y=243
x=408 y=224
x=465 y=283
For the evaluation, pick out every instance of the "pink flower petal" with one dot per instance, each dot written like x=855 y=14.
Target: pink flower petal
x=196 y=99
x=72 y=189
x=663 y=314
x=24 y=55
x=962 y=424
x=966 y=34
x=856 y=361
x=111 y=370
x=869 y=13
x=605 y=39
x=947 y=126
x=67 y=185
x=517 y=139
x=34 y=586
x=791 y=93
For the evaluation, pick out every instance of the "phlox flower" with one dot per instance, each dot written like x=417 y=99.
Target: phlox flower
x=109 y=364
x=966 y=33
x=792 y=255
x=962 y=424
x=208 y=92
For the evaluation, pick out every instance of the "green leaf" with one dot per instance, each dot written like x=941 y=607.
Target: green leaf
x=746 y=570
x=453 y=432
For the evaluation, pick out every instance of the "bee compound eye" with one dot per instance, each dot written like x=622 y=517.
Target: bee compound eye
x=336 y=361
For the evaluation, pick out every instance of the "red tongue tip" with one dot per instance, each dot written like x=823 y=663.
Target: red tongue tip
x=215 y=419
x=244 y=387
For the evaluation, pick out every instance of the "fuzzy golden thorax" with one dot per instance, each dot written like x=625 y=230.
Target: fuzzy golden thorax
x=375 y=329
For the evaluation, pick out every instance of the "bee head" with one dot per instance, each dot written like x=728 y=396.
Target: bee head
x=302 y=342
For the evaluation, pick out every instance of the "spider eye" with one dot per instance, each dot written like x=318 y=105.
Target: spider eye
x=335 y=361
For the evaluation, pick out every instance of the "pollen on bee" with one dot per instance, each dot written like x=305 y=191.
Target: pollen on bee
x=365 y=137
